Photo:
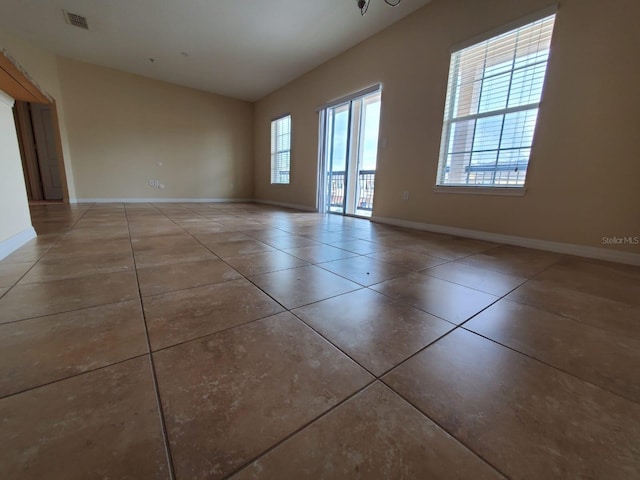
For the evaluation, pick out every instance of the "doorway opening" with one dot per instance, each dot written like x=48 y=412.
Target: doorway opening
x=348 y=154
x=38 y=132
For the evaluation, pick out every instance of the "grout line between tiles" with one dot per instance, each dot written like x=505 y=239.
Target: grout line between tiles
x=456 y=327
x=154 y=376
x=227 y=329
x=503 y=297
x=550 y=365
x=456 y=439
x=169 y=292
x=310 y=327
x=537 y=306
x=11 y=322
x=298 y=430
x=451 y=434
x=321 y=265
x=43 y=253
x=68 y=377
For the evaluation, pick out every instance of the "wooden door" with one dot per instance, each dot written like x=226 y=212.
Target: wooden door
x=28 y=154
x=48 y=161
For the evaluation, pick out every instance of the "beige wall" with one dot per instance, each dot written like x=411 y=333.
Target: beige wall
x=42 y=67
x=14 y=207
x=120 y=125
x=585 y=165
x=116 y=126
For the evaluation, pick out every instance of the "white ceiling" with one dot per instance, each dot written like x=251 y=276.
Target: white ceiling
x=240 y=48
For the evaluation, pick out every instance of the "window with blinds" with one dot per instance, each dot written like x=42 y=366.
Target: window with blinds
x=491 y=109
x=281 y=150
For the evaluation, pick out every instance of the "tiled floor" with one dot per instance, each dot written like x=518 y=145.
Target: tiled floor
x=196 y=341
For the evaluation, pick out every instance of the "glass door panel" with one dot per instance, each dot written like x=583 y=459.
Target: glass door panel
x=367 y=154
x=337 y=148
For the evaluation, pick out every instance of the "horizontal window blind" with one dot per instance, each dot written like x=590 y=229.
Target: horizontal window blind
x=281 y=150
x=493 y=95
x=352 y=96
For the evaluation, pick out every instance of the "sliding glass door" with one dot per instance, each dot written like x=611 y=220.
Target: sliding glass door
x=369 y=122
x=337 y=148
x=349 y=149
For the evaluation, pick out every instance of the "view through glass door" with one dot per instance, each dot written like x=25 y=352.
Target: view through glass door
x=350 y=149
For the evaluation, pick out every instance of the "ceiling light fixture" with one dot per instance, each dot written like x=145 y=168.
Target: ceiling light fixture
x=363 y=5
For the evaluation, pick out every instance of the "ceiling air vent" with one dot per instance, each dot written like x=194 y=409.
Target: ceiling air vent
x=76 y=20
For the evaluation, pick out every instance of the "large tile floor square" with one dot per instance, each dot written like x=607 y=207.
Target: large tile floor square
x=38 y=299
x=373 y=329
x=449 y=301
x=180 y=276
x=248 y=388
x=407 y=259
x=319 y=253
x=175 y=317
x=202 y=341
x=583 y=307
x=264 y=262
x=594 y=354
x=10 y=273
x=481 y=279
x=364 y=270
x=56 y=268
x=299 y=286
x=527 y=419
x=103 y=424
x=375 y=435
x=45 y=349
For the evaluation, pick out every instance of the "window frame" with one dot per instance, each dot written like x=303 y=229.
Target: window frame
x=275 y=151
x=452 y=98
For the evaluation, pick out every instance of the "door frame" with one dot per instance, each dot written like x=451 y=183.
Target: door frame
x=16 y=83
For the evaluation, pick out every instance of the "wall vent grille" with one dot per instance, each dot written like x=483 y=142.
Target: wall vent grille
x=76 y=20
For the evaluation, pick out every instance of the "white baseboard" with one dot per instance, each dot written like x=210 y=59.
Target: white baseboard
x=295 y=206
x=558 y=247
x=11 y=244
x=160 y=200
x=192 y=200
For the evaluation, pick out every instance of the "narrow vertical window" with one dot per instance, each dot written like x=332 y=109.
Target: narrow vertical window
x=281 y=150
x=491 y=108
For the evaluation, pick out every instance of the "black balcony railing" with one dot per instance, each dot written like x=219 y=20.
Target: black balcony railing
x=336 y=189
x=491 y=174
x=366 y=180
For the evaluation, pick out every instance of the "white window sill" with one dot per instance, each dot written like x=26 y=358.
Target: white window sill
x=470 y=190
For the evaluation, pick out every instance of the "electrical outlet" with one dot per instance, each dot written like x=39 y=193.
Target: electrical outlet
x=405 y=195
